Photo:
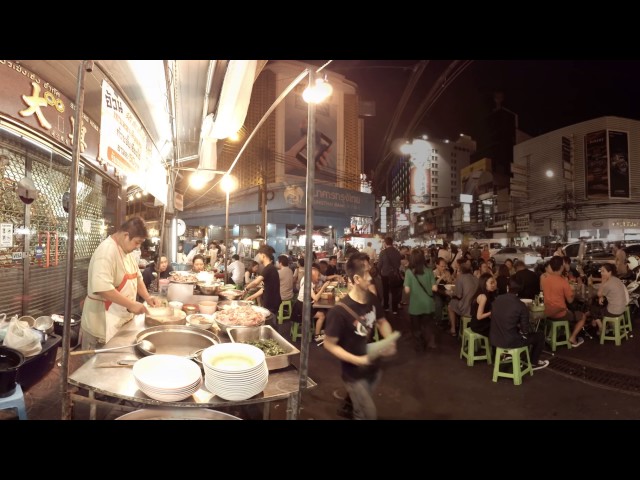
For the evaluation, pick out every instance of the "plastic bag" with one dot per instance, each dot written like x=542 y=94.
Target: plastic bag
x=4 y=325
x=20 y=336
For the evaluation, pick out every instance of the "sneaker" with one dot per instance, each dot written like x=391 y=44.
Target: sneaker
x=541 y=364
x=318 y=338
x=505 y=358
x=579 y=342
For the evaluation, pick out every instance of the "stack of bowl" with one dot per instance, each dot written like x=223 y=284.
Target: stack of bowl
x=167 y=378
x=235 y=371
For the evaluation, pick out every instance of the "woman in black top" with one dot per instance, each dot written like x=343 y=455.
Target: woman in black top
x=503 y=279
x=481 y=305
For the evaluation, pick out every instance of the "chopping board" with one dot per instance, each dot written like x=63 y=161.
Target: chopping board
x=178 y=318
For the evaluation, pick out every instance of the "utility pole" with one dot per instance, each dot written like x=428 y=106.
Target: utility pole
x=263 y=198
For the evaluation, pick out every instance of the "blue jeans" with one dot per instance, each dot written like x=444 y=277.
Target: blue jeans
x=361 y=394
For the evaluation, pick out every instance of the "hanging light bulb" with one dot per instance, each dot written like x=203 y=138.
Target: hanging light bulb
x=319 y=92
x=197 y=180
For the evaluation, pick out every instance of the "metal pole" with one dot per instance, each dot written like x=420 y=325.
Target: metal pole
x=308 y=257
x=226 y=241
x=85 y=66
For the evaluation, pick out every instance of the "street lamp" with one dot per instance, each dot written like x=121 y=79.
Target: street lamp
x=317 y=91
x=228 y=183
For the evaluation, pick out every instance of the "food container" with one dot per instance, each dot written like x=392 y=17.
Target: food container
x=189 y=308
x=200 y=320
x=163 y=311
x=263 y=312
x=181 y=292
x=181 y=340
x=164 y=413
x=208 y=288
x=326 y=296
x=177 y=317
x=266 y=332
x=207 y=307
x=176 y=304
x=58 y=327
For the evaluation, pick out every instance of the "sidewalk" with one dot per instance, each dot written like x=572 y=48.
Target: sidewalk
x=590 y=382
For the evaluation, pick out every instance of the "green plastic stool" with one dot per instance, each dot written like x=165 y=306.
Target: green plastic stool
x=515 y=361
x=464 y=323
x=619 y=332
x=281 y=315
x=627 y=320
x=469 y=338
x=551 y=333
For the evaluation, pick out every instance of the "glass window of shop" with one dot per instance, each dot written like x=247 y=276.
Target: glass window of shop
x=33 y=255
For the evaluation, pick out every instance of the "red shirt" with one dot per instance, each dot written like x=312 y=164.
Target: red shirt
x=557 y=292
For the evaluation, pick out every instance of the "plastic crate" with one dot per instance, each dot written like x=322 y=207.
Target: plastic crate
x=36 y=367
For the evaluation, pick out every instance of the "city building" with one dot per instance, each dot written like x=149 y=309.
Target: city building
x=272 y=169
x=578 y=181
x=425 y=186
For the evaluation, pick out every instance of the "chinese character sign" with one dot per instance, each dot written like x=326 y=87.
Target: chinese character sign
x=38 y=104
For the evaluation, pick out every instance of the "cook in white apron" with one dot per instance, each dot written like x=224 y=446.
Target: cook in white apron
x=117 y=315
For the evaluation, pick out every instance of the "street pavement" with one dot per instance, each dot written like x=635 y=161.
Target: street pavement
x=592 y=382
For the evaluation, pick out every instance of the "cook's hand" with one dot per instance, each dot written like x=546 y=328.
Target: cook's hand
x=138 y=308
x=154 y=302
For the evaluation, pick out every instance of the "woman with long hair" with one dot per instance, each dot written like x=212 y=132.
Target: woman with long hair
x=419 y=284
x=481 y=305
x=503 y=279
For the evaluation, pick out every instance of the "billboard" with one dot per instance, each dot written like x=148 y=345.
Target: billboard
x=295 y=137
x=595 y=164
x=618 y=164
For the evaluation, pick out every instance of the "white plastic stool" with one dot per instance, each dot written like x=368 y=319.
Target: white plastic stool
x=15 y=400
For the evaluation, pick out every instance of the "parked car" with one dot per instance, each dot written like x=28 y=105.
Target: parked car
x=595 y=254
x=524 y=254
x=494 y=247
x=633 y=249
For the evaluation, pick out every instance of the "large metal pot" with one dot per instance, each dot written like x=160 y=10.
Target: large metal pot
x=10 y=362
x=177 y=414
x=208 y=288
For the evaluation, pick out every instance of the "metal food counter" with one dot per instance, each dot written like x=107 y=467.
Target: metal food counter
x=119 y=383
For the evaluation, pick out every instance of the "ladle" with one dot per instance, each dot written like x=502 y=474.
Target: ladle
x=145 y=345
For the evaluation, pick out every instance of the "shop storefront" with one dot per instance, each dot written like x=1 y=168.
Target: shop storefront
x=37 y=135
x=334 y=209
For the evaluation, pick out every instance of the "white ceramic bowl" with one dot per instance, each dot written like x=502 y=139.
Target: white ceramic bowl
x=207 y=307
x=234 y=357
x=176 y=304
x=200 y=320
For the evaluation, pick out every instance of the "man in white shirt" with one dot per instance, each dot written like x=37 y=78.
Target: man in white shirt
x=198 y=248
x=236 y=271
x=286 y=278
x=369 y=250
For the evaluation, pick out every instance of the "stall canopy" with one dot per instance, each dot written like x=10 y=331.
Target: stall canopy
x=169 y=98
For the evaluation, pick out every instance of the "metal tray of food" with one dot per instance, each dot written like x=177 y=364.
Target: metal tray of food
x=241 y=317
x=183 y=340
x=265 y=332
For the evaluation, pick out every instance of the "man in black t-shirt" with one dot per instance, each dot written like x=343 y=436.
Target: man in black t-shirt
x=269 y=275
x=346 y=337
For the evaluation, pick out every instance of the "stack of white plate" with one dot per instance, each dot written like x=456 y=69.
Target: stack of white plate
x=235 y=371
x=168 y=378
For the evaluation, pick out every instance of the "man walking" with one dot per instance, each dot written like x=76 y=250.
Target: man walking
x=389 y=265
x=347 y=328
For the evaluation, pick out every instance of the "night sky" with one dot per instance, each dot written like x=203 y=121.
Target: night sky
x=545 y=95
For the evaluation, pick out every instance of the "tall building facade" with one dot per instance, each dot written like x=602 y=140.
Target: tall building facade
x=272 y=169
x=579 y=181
x=425 y=186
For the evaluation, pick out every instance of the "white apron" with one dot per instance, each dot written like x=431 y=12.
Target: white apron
x=117 y=315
